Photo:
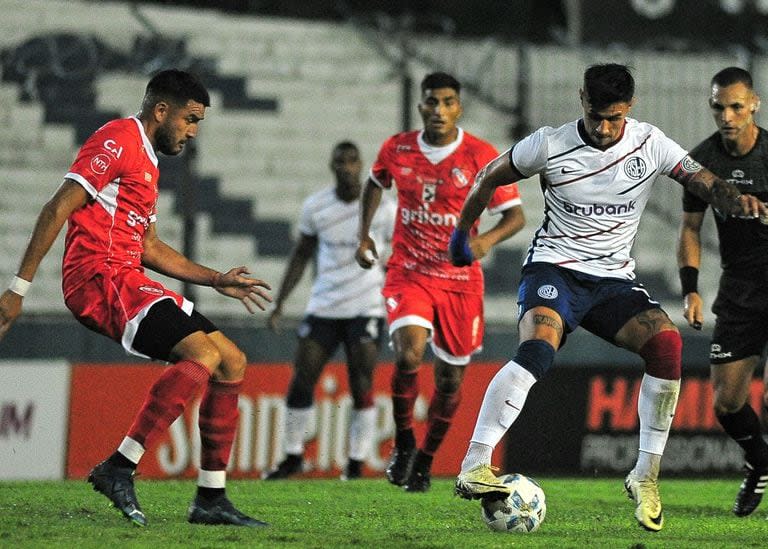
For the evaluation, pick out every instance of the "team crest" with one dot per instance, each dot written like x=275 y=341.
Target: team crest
x=635 y=168
x=460 y=179
x=737 y=174
x=151 y=290
x=547 y=292
x=690 y=165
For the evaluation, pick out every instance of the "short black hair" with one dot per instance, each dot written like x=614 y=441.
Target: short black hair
x=608 y=83
x=342 y=146
x=732 y=75
x=437 y=80
x=177 y=87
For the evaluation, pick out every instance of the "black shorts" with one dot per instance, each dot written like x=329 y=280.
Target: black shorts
x=741 y=329
x=330 y=332
x=164 y=326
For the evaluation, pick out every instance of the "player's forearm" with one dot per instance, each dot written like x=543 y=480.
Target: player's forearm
x=724 y=196
x=689 y=249
x=512 y=220
x=291 y=278
x=162 y=258
x=47 y=228
x=369 y=203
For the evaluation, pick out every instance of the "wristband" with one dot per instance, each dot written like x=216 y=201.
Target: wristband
x=19 y=286
x=689 y=280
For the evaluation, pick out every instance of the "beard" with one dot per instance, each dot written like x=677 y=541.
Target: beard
x=165 y=142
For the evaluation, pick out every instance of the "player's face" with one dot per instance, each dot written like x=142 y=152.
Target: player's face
x=440 y=109
x=179 y=125
x=733 y=108
x=604 y=126
x=346 y=165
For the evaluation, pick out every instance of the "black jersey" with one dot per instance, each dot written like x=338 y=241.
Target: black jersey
x=743 y=242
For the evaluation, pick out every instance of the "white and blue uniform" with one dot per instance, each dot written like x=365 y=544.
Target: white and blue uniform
x=579 y=261
x=593 y=198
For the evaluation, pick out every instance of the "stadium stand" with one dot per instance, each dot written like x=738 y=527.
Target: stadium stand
x=283 y=92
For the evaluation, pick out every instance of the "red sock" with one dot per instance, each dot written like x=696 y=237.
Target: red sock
x=166 y=400
x=439 y=419
x=218 y=422
x=405 y=389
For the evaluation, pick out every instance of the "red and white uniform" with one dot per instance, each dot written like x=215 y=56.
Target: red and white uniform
x=432 y=184
x=103 y=279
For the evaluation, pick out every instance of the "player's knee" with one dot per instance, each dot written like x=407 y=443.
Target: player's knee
x=449 y=379
x=536 y=356
x=409 y=359
x=663 y=355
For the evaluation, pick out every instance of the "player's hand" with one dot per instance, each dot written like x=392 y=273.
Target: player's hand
x=274 y=319
x=459 y=249
x=479 y=247
x=753 y=208
x=10 y=308
x=251 y=291
x=366 y=254
x=693 y=310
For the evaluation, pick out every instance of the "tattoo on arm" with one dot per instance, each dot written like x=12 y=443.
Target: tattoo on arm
x=544 y=320
x=722 y=195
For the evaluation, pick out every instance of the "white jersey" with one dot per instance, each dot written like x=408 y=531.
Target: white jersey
x=343 y=289
x=593 y=199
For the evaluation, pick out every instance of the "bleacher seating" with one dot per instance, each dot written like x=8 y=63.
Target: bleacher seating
x=283 y=92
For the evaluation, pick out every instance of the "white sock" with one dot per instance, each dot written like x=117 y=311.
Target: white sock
x=503 y=401
x=296 y=422
x=656 y=409
x=361 y=427
x=131 y=449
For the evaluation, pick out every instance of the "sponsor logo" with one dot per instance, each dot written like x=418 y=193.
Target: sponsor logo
x=568 y=170
x=136 y=219
x=426 y=217
x=547 y=292
x=148 y=177
x=391 y=304
x=460 y=179
x=509 y=403
x=593 y=210
x=151 y=290
x=428 y=193
x=690 y=165
x=403 y=148
x=405 y=171
x=635 y=168
x=737 y=174
x=100 y=164
x=112 y=146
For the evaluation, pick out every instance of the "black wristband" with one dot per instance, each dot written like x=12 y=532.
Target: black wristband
x=689 y=280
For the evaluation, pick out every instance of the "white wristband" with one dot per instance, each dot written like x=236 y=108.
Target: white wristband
x=19 y=286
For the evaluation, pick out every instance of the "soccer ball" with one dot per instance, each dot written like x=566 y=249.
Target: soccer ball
x=522 y=511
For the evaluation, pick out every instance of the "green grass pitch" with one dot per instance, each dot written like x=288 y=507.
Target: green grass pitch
x=308 y=513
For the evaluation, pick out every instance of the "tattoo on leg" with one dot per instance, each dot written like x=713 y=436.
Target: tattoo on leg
x=654 y=321
x=545 y=320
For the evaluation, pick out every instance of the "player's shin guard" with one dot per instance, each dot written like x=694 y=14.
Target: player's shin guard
x=439 y=419
x=361 y=427
x=405 y=389
x=656 y=409
x=503 y=401
x=218 y=422
x=166 y=400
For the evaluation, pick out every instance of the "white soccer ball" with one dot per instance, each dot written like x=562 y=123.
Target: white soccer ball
x=522 y=511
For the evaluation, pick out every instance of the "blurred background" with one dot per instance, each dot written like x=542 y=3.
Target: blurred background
x=289 y=79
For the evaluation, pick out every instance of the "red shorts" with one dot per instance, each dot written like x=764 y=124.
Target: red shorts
x=454 y=319
x=114 y=302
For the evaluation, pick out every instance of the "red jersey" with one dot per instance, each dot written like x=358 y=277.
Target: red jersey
x=117 y=166
x=432 y=184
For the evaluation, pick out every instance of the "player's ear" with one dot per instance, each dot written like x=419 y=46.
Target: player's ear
x=756 y=104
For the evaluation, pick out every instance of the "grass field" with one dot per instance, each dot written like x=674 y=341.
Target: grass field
x=371 y=513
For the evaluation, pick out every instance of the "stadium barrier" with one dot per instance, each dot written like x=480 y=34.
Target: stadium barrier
x=58 y=419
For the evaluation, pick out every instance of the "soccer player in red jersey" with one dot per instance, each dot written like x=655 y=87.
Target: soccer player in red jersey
x=109 y=199
x=429 y=300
